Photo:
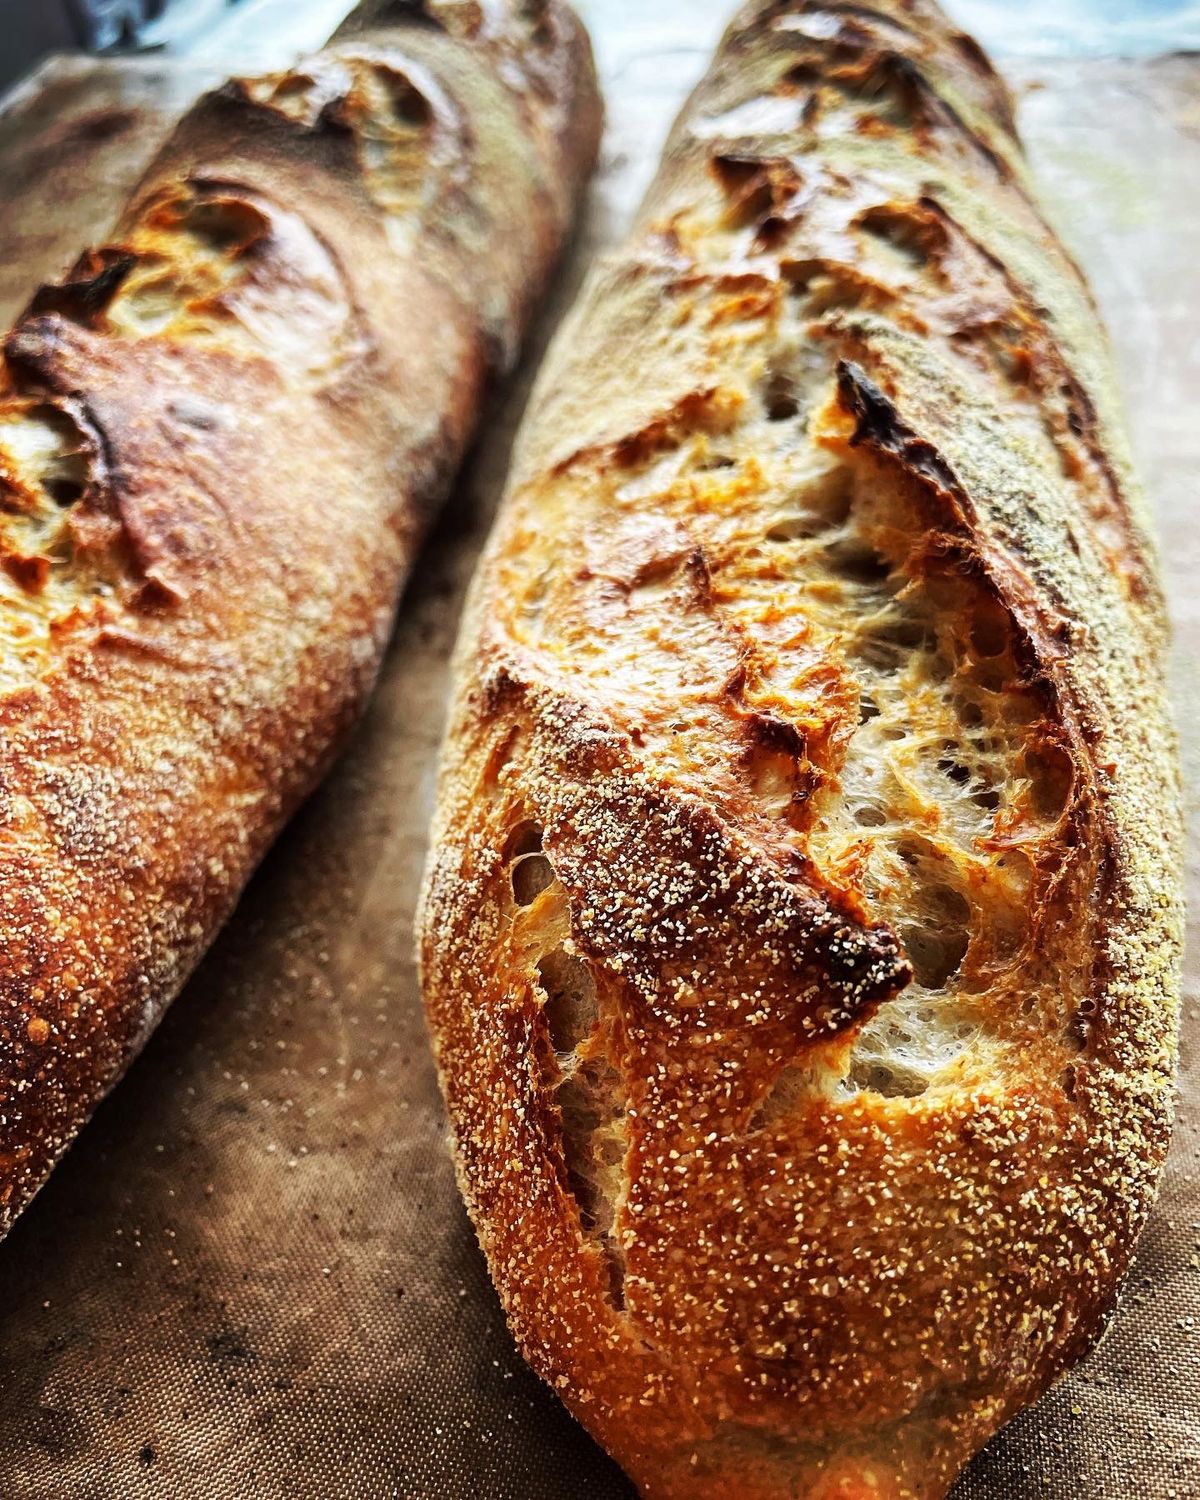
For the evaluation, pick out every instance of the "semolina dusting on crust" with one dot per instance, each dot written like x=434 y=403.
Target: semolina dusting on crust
x=802 y=929
x=221 y=438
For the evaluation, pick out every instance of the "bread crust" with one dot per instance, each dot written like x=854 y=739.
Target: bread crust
x=801 y=931
x=222 y=437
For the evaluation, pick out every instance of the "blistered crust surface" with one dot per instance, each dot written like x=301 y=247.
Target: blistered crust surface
x=221 y=438
x=802 y=928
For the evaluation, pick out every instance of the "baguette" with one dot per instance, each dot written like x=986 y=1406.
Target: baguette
x=221 y=439
x=801 y=931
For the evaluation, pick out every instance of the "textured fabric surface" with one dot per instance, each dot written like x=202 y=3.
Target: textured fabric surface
x=252 y=1276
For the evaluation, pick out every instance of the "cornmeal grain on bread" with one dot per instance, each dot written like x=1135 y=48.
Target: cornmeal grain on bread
x=801 y=933
x=221 y=438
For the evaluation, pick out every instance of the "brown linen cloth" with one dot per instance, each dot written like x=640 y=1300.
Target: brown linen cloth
x=252 y=1276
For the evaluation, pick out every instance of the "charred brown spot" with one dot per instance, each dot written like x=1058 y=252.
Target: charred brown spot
x=29 y=572
x=88 y=288
x=759 y=190
x=880 y=426
x=915 y=229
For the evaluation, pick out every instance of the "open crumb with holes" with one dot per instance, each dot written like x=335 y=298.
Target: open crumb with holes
x=222 y=437
x=802 y=924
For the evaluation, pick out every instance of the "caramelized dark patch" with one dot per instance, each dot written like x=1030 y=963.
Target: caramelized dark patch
x=88 y=288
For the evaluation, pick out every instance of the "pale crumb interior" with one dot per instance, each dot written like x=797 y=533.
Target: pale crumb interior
x=770 y=553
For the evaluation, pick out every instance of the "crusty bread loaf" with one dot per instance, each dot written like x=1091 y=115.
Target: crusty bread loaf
x=221 y=438
x=801 y=932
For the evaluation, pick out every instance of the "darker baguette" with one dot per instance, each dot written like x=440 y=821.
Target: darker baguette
x=221 y=439
x=801 y=932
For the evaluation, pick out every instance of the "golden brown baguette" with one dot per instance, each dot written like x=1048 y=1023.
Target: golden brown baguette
x=801 y=931
x=221 y=438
